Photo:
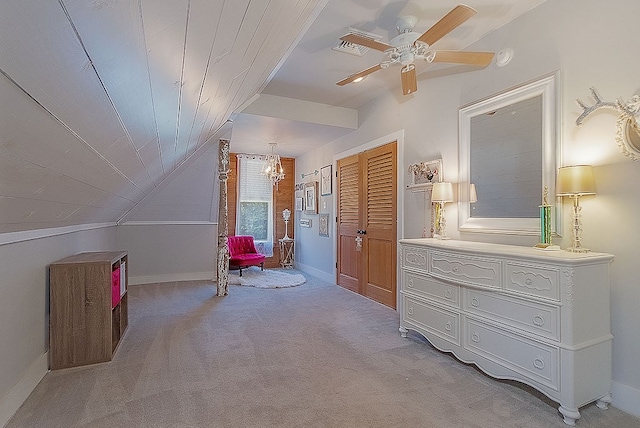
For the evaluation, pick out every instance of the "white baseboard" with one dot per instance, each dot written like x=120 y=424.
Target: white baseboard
x=187 y=276
x=14 y=398
x=315 y=272
x=626 y=399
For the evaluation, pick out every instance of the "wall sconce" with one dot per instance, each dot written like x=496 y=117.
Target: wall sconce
x=575 y=181
x=441 y=193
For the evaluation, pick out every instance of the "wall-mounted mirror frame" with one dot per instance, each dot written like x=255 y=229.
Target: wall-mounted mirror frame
x=546 y=88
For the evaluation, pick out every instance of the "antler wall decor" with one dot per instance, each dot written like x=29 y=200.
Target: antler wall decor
x=628 y=130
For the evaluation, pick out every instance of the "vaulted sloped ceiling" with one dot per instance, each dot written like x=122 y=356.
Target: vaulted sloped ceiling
x=102 y=99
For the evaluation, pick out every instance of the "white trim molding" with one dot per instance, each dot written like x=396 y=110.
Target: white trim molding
x=174 y=277
x=626 y=399
x=16 y=396
x=28 y=235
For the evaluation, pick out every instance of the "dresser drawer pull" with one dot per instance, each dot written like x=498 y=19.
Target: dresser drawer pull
x=447 y=326
x=448 y=294
x=538 y=320
x=410 y=310
x=410 y=283
x=528 y=281
x=538 y=363
x=475 y=337
x=455 y=270
x=475 y=302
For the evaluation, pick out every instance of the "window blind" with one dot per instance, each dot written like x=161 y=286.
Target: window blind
x=255 y=203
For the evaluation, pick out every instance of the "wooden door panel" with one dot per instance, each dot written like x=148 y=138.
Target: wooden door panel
x=348 y=265
x=367 y=201
x=380 y=284
x=379 y=270
x=348 y=223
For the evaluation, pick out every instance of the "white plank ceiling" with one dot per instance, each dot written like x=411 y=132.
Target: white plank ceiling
x=104 y=101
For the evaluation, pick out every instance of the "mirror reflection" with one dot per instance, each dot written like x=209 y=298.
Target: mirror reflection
x=508 y=151
x=506 y=160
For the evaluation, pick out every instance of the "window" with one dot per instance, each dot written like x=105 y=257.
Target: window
x=255 y=203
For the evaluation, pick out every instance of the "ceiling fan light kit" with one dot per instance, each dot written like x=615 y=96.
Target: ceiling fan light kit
x=408 y=46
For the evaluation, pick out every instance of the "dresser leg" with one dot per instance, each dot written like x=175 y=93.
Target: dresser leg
x=570 y=415
x=403 y=331
x=604 y=402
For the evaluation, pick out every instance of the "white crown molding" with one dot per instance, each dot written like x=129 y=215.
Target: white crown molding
x=28 y=235
x=167 y=223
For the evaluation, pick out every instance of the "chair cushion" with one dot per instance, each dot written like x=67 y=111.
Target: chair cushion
x=242 y=251
x=246 y=259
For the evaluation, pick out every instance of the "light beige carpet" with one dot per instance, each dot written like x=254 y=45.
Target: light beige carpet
x=309 y=356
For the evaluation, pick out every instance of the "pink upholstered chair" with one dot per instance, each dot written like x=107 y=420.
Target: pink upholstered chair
x=242 y=253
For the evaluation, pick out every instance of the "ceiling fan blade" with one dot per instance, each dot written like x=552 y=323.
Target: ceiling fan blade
x=365 y=41
x=359 y=74
x=409 y=81
x=448 y=23
x=464 y=57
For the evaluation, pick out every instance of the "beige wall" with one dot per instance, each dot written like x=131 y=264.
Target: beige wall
x=24 y=306
x=163 y=251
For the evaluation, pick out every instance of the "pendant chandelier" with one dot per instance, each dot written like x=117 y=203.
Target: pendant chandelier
x=272 y=167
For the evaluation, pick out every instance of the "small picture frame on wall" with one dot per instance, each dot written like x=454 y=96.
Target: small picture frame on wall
x=305 y=222
x=299 y=204
x=311 y=198
x=425 y=173
x=325 y=180
x=323 y=225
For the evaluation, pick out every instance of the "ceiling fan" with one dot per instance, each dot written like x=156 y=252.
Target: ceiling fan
x=408 y=46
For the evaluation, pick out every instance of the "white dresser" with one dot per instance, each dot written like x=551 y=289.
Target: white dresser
x=535 y=316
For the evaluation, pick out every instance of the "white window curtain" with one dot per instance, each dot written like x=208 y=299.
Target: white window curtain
x=255 y=203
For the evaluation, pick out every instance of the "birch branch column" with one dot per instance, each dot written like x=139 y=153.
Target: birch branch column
x=223 y=220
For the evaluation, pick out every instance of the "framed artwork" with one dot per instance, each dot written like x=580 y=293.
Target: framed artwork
x=425 y=173
x=305 y=222
x=311 y=197
x=323 y=225
x=325 y=180
x=299 y=204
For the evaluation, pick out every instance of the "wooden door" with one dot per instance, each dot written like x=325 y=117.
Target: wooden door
x=367 y=223
x=348 y=222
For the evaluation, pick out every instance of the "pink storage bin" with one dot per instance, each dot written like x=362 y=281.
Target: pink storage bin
x=115 y=288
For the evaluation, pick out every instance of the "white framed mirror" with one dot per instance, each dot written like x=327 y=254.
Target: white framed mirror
x=509 y=150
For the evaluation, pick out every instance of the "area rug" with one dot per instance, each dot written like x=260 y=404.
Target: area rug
x=254 y=277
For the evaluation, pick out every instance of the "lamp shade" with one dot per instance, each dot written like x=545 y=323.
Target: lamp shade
x=473 y=196
x=442 y=192
x=575 y=180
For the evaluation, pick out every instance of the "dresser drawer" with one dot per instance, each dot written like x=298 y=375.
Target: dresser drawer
x=414 y=257
x=469 y=270
x=426 y=286
x=538 y=318
x=534 y=360
x=434 y=319
x=535 y=280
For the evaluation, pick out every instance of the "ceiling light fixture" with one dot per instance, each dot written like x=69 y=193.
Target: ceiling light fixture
x=272 y=167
